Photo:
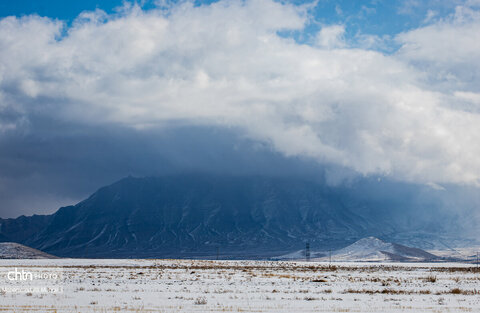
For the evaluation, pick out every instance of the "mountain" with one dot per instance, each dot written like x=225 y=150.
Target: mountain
x=374 y=249
x=23 y=228
x=12 y=250
x=201 y=216
x=367 y=250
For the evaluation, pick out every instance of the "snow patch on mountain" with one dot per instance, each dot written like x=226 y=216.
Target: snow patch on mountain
x=370 y=249
x=374 y=249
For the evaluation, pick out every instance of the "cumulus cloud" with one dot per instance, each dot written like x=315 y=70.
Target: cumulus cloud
x=331 y=36
x=226 y=65
x=446 y=51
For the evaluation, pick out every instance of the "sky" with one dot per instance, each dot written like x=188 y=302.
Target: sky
x=92 y=91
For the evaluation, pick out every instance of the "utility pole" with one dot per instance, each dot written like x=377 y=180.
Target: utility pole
x=477 y=261
x=329 y=257
x=307 y=251
x=218 y=253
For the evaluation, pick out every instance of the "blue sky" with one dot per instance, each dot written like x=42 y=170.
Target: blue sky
x=64 y=10
x=379 y=17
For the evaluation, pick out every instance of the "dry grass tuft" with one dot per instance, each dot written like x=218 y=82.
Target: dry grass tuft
x=456 y=291
x=431 y=279
x=200 y=301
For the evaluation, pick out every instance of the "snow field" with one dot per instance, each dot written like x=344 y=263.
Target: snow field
x=246 y=286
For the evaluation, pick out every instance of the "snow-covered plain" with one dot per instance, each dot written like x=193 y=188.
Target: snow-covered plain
x=245 y=286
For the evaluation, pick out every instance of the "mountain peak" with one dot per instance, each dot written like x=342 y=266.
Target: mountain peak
x=370 y=243
x=374 y=249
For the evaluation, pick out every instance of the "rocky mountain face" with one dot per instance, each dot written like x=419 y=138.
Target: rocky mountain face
x=203 y=215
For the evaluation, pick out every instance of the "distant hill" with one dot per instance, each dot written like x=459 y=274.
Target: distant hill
x=374 y=249
x=12 y=250
x=367 y=249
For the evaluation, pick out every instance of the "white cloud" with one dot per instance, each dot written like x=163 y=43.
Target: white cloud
x=472 y=3
x=224 y=64
x=470 y=97
x=447 y=51
x=430 y=16
x=331 y=37
x=374 y=42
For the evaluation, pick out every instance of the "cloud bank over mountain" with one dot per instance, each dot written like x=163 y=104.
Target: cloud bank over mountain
x=412 y=115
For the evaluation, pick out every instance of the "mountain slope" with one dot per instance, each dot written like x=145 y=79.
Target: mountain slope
x=12 y=250
x=200 y=215
x=193 y=215
x=22 y=228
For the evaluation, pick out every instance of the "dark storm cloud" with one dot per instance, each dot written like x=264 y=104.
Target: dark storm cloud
x=53 y=163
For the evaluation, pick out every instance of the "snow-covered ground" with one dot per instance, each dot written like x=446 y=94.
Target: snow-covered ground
x=241 y=286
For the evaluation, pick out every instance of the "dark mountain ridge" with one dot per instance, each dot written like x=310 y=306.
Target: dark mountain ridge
x=197 y=215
